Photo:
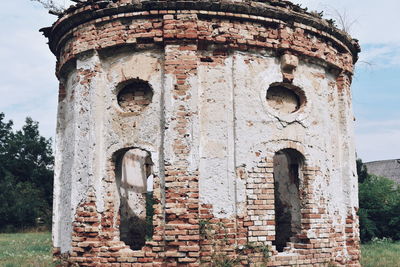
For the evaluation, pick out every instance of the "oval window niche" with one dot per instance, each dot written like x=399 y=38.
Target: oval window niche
x=135 y=96
x=285 y=98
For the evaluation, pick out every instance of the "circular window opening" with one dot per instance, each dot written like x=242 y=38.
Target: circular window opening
x=285 y=98
x=135 y=96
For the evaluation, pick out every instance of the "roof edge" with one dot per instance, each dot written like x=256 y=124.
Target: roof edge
x=90 y=10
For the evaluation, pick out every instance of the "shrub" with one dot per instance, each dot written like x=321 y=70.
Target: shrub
x=379 y=209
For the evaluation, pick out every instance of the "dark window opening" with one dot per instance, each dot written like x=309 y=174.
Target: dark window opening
x=135 y=187
x=287 y=175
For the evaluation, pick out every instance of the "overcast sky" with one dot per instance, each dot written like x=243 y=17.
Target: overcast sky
x=28 y=86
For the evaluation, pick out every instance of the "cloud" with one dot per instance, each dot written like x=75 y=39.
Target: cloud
x=28 y=86
x=380 y=56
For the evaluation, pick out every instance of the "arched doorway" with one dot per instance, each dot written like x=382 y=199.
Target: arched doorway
x=134 y=176
x=288 y=165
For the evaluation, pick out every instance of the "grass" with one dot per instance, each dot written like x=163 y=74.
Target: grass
x=34 y=250
x=380 y=254
x=25 y=250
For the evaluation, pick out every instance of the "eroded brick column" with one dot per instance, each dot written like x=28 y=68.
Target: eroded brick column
x=351 y=236
x=181 y=178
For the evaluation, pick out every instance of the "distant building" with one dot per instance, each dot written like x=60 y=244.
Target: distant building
x=385 y=168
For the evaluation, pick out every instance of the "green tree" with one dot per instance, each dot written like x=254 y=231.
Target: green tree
x=5 y=134
x=26 y=176
x=379 y=208
x=32 y=159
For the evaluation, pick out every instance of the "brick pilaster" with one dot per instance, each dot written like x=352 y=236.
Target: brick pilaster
x=181 y=181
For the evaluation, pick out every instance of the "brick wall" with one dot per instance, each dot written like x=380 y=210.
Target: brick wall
x=186 y=231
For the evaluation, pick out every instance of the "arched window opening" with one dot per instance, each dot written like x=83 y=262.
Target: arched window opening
x=287 y=175
x=134 y=181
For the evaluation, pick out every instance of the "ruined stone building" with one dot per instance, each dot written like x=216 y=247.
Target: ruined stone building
x=385 y=168
x=202 y=133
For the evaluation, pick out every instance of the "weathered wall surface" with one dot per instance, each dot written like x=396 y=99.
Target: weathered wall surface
x=233 y=129
x=92 y=128
x=210 y=132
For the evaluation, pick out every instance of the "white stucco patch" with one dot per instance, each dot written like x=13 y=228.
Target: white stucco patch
x=230 y=128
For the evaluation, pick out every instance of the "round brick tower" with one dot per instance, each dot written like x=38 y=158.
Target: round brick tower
x=202 y=133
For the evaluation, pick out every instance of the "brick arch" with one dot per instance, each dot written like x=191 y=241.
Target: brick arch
x=288 y=169
x=309 y=215
x=282 y=144
x=120 y=149
x=262 y=181
x=114 y=219
x=132 y=173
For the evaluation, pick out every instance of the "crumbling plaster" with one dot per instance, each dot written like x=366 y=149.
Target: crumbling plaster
x=210 y=131
x=228 y=130
x=88 y=137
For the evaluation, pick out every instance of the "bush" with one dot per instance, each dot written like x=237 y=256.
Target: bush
x=379 y=209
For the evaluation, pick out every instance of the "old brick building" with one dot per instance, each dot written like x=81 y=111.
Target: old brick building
x=231 y=118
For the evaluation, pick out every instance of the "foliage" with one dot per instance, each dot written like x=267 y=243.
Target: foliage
x=26 y=176
x=264 y=249
x=223 y=260
x=150 y=201
x=205 y=228
x=259 y=248
x=379 y=208
x=25 y=249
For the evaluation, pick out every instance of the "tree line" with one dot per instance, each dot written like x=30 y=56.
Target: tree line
x=26 y=177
